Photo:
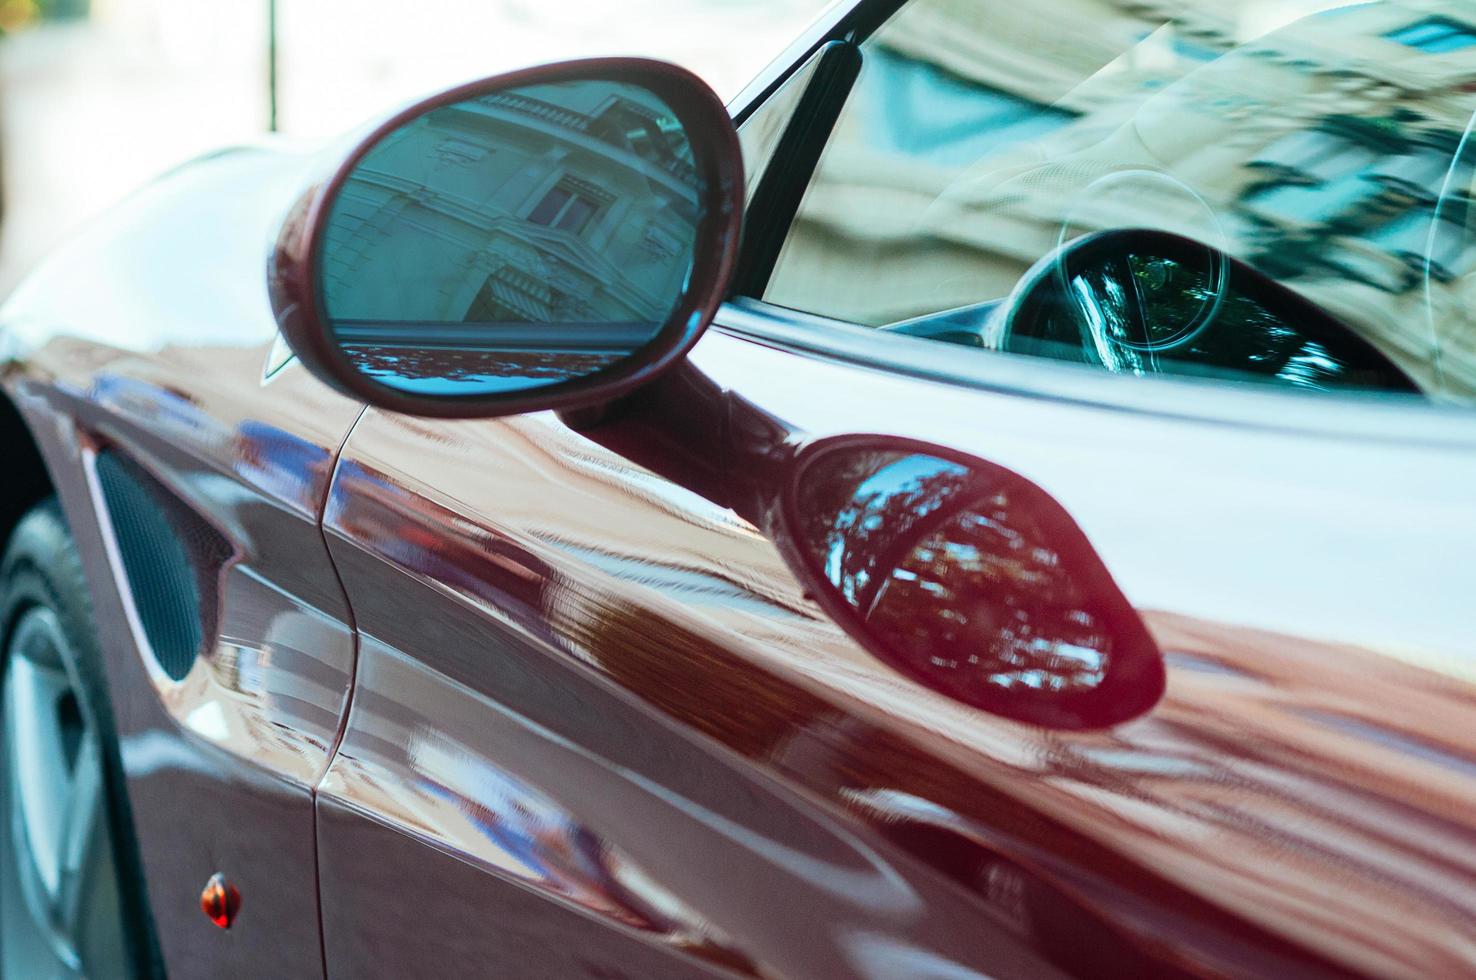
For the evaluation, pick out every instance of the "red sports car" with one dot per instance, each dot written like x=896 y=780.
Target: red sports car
x=997 y=499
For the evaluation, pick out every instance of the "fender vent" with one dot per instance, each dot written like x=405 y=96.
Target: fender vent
x=171 y=557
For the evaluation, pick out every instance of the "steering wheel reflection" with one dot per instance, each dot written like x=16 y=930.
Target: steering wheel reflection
x=1140 y=301
x=1146 y=302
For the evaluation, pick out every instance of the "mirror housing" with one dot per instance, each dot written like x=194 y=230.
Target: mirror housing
x=549 y=238
x=969 y=579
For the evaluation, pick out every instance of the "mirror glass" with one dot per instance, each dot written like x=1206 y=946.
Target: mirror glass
x=514 y=240
x=975 y=582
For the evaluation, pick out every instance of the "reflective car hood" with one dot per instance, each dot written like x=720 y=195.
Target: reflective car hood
x=182 y=261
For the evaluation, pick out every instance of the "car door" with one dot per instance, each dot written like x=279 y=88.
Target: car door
x=192 y=457
x=677 y=689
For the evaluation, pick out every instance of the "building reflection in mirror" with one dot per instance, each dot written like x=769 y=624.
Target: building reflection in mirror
x=512 y=240
x=973 y=581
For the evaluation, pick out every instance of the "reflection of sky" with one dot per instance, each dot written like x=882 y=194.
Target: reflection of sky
x=536 y=837
x=473 y=372
x=480 y=384
x=904 y=476
x=504 y=816
x=907 y=475
x=168 y=411
x=283 y=449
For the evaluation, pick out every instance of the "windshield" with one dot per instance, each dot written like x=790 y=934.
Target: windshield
x=1322 y=145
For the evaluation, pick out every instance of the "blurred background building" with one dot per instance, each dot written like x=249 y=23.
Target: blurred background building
x=97 y=96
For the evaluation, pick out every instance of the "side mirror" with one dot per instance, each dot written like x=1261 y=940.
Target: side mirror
x=545 y=239
x=970 y=579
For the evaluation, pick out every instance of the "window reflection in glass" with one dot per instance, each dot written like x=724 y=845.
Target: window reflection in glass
x=1326 y=140
x=513 y=240
x=1435 y=35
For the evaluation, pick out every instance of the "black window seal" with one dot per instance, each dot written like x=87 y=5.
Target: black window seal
x=791 y=167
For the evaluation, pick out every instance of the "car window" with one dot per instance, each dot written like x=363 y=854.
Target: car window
x=1270 y=192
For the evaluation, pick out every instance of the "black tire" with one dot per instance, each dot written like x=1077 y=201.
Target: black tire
x=45 y=606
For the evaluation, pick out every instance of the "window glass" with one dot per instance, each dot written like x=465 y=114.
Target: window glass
x=576 y=215
x=1299 y=170
x=1437 y=35
x=548 y=209
x=567 y=208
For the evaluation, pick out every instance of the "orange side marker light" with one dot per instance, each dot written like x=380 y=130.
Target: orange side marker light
x=220 y=901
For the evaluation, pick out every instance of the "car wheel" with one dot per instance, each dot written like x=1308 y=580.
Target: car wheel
x=61 y=911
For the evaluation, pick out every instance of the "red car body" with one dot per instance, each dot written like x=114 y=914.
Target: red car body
x=535 y=697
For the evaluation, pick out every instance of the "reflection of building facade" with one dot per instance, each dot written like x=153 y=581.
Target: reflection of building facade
x=571 y=204
x=1319 y=148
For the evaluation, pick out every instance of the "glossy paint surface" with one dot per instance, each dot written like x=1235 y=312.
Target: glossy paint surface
x=604 y=723
x=1296 y=803
x=221 y=764
x=486 y=726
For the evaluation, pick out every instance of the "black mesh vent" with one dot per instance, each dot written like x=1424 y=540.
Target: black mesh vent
x=171 y=557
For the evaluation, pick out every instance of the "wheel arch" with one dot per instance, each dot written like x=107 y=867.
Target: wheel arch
x=28 y=479
x=29 y=482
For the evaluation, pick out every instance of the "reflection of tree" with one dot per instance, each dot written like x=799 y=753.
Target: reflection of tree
x=851 y=528
x=987 y=597
x=473 y=366
x=980 y=586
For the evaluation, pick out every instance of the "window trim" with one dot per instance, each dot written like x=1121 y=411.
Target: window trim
x=844 y=20
x=770 y=214
x=840 y=28
x=1339 y=415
